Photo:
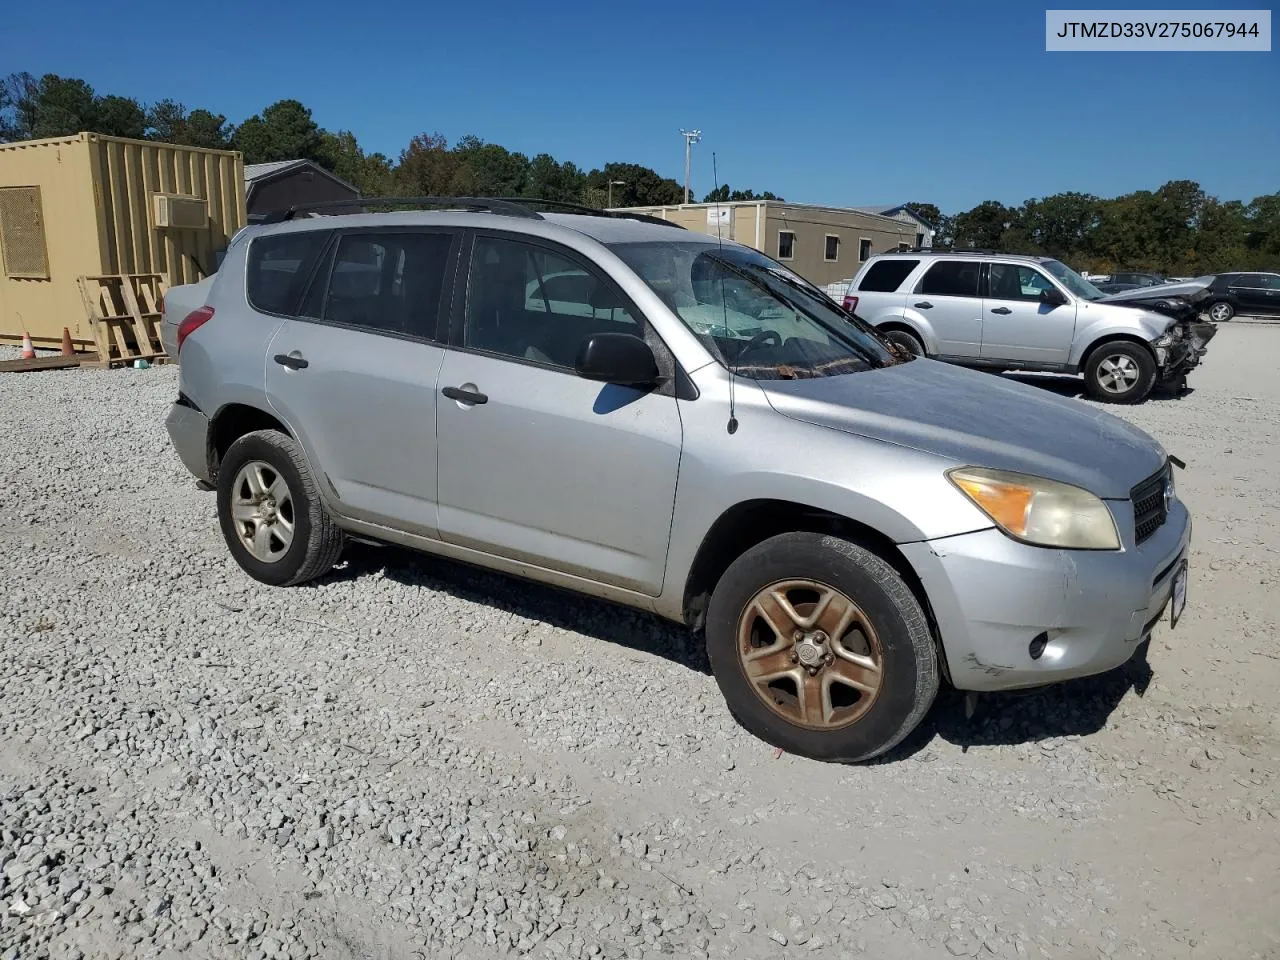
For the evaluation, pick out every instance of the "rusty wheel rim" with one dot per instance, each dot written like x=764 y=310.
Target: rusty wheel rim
x=810 y=654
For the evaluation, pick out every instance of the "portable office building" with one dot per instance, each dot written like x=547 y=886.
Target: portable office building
x=92 y=205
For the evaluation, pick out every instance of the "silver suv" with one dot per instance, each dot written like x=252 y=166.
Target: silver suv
x=640 y=413
x=1005 y=312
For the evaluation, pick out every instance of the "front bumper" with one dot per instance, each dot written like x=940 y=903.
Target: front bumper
x=189 y=430
x=991 y=596
x=1185 y=354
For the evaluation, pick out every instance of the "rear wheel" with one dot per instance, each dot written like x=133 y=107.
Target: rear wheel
x=270 y=511
x=1221 y=312
x=908 y=341
x=820 y=648
x=1120 y=372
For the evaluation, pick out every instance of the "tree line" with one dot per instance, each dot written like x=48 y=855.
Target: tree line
x=54 y=106
x=1177 y=229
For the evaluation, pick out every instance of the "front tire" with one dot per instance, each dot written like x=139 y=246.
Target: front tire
x=270 y=511
x=1120 y=372
x=820 y=648
x=1221 y=311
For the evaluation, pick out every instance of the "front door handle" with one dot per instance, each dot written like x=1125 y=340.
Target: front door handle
x=1001 y=310
x=464 y=396
x=924 y=305
x=294 y=361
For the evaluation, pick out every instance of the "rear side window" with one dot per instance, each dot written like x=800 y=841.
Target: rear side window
x=279 y=267
x=885 y=276
x=388 y=282
x=952 y=278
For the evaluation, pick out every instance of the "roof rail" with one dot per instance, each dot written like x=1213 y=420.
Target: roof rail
x=970 y=250
x=562 y=206
x=479 y=204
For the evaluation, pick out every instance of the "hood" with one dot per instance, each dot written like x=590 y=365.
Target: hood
x=977 y=419
x=1172 y=299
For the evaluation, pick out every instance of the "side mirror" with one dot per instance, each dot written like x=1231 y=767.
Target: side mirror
x=1053 y=297
x=620 y=358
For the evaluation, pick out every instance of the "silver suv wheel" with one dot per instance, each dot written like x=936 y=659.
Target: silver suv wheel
x=262 y=509
x=1117 y=373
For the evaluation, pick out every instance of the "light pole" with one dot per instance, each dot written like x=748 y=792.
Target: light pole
x=612 y=184
x=690 y=138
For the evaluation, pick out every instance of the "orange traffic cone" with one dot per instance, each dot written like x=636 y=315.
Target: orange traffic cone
x=67 y=349
x=28 y=351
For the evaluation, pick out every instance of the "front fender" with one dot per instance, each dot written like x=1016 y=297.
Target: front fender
x=1142 y=326
x=899 y=492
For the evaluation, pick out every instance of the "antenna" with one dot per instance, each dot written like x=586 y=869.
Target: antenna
x=690 y=138
x=732 y=426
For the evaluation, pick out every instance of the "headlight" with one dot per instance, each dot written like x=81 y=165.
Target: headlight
x=1039 y=511
x=1163 y=341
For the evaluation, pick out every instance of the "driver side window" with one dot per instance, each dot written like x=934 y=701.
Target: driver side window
x=527 y=302
x=1008 y=281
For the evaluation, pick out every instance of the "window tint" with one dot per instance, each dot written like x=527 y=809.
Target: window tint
x=390 y=283
x=832 y=252
x=786 y=245
x=279 y=266
x=1253 y=280
x=885 y=276
x=864 y=254
x=525 y=301
x=1007 y=281
x=1271 y=281
x=951 y=278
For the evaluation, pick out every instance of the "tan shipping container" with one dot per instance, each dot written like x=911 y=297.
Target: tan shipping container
x=89 y=205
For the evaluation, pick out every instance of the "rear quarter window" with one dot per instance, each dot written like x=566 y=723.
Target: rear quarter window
x=279 y=267
x=885 y=276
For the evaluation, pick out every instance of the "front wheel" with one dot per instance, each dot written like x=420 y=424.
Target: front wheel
x=1221 y=312
x=820 y=648
x=1120 y=372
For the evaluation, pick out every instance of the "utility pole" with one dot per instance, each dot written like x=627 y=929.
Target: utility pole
x=612 y=184
x=690 y=138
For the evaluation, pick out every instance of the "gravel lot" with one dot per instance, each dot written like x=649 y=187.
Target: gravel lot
x=414 y=758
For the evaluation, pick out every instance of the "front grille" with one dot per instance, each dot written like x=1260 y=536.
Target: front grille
x=1149 y=510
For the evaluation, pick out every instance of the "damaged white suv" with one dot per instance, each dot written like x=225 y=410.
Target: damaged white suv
x=1006 y=312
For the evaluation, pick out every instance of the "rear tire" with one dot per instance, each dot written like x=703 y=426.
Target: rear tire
x=908 y=341
x=1221 y=312
x=269 y=504
x=841 y=668
x=1120 y=372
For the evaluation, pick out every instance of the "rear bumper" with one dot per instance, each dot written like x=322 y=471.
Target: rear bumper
x=189 y=431
x=991 y=596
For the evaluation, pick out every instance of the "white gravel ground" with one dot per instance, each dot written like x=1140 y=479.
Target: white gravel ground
x=414 y=758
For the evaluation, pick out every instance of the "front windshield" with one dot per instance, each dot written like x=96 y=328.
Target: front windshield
x=1073 y=281
x=757 y=317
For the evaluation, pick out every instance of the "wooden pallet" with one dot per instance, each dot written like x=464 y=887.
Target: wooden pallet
x=124 y=311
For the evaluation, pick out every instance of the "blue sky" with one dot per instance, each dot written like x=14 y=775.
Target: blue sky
x=950 y=103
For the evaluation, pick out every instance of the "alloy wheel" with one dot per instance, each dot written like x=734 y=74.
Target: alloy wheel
x=810 y=653
x=1118 y=373
x=262 y=511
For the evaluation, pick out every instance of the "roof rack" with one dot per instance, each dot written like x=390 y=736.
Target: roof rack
x=957 y=250
x=562 y=206
x=479 y=204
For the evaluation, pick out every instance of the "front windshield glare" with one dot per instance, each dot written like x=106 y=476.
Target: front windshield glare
x=1073 y=281
x=758 y=318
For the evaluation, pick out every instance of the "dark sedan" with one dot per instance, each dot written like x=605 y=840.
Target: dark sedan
x=1251 y=294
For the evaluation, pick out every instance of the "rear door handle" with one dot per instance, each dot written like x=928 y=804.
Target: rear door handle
x=924 y=305
x=1001 y=310
x=292 y=360
x=464 y=396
